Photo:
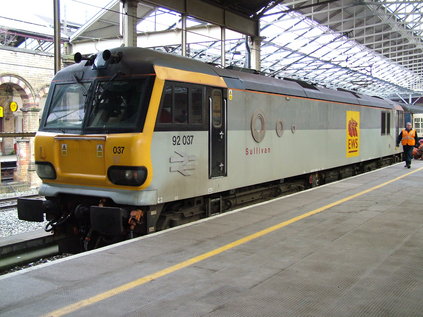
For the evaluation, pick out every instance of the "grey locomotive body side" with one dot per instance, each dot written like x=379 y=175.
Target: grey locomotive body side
x=299 y=136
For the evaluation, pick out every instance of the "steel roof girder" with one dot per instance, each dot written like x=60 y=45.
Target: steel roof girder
x=382 y=37
x=211 y=13
x=402 y=53
x=412 y=62
x=287 y=69
x=365 y=29
x=400 y=27
x=400 y=2
x=394 y=44
x=362 y=27
x=337 y=10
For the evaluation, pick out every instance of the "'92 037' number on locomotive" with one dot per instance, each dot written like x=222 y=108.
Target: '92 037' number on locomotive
x=182 y=140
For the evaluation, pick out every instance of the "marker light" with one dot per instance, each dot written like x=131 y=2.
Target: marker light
x=127 y=175
x=45 y=170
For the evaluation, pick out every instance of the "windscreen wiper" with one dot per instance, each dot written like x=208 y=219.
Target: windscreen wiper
x=106 y=87
x=78 y=80
x=65 y=115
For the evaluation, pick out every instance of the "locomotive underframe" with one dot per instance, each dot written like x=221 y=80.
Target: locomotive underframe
x=92 y=222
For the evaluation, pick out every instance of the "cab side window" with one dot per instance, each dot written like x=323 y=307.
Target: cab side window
x=385 y=123
x=196 y=105
x=166 y=109
x=182 y=107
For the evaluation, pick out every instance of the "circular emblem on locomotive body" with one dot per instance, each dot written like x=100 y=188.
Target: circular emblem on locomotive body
x=258 y=126
x=279 y=128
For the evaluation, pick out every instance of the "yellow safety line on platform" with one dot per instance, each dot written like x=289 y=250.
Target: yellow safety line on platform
x=151 y=277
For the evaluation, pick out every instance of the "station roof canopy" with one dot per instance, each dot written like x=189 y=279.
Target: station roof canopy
x=372 y=46
x=248 y=8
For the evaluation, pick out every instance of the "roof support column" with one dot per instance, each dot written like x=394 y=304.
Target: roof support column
x=184 y=34
x=255 y=53
x=57 y=57
x=223 y=46
x=130 y=22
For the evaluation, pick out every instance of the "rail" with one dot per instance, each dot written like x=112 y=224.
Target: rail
x=12 y=202
x=32 y=247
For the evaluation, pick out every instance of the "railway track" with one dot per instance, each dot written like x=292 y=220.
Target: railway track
x=28 y=247
x=11 y=202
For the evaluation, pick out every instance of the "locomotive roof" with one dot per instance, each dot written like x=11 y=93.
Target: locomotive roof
x=412 y=108
x=141 y=60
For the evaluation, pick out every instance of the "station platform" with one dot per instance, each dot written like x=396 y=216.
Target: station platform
x=350 y=248
x=8 y=158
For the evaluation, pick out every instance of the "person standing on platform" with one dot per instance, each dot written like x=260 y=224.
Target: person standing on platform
x=408 y=138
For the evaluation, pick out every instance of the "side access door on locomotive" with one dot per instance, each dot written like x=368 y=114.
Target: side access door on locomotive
x=217 y=132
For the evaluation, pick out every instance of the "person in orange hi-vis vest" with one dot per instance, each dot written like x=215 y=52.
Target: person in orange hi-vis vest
x=409 y=140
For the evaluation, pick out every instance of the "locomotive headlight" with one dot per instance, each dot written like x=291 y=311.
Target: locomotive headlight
x=45 y=170
x=127 y=175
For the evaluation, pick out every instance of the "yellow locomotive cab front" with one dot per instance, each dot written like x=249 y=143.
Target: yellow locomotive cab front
x=92 y=150
x=92 y=131
x=121 y=161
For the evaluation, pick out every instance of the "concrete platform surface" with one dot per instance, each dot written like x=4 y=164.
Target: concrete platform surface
x=351 y=248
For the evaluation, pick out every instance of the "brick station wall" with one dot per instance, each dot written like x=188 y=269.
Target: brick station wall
x=24 y=78
x=36 y=69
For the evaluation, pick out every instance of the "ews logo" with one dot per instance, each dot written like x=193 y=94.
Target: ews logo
x=352 y=128
x=352 y=141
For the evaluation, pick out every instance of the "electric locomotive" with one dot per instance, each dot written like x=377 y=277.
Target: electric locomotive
x=132 y=141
